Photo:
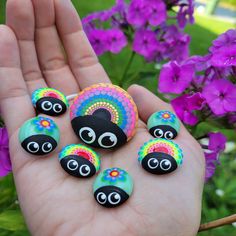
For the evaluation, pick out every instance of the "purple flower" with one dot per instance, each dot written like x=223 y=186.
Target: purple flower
x=175 y=78
x=182 y=110
x=195 y=101
x=156 y=12
x=211 y=161
x=98 y=39
x=137 y=13
x=176 y=44
x=220 y=95
x=200 y=62
x=116 y=40
x=185 y=14
x=226 y=39
x=217 y=142
x=224 y=57
x=5 y=163
x=145 y=43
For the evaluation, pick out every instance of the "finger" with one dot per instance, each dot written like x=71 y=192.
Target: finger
x=15 y=102
x=148 y=104
x=51 y=57
x=81 y=57
x=20 y=17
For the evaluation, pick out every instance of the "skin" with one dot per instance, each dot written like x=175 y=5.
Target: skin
x=54 y=203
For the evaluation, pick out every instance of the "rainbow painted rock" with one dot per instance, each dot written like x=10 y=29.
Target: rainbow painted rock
x=163 y=124
x=160 y=156
x=104 y=115
x=49 y=101
x=39 y=136
x=112 y=187
x=79 y=160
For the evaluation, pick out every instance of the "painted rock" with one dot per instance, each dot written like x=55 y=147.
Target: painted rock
x=160 y=156
x=163 y=124
x=39 y=136
x=104 y=115
x=112 y=187
x=49 y=101
x=79 y=160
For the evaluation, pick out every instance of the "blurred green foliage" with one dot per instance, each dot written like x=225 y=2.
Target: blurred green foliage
x=215 y=206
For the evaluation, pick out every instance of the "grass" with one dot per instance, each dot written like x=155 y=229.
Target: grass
x=203 y=32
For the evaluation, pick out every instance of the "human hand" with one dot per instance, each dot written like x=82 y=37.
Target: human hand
x=53 y=202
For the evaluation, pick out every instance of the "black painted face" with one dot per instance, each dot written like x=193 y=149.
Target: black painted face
x=163 y=131
x=159 y=163
x=78 y=166
x=39 y=144
x=98 y=132
x=110 y=196
x=51 y=106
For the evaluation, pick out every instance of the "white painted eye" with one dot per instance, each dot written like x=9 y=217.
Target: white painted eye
x=72 y=165
x=33 y=147
x=84 y=170
x=153 y=163
x=165 y=164
x=169 y=135
x=47 y=147
x=101 y=198
x=87 y=135
x=158 y=133
x=46 y=106
x=114 y=198
x=57 y=108
x=107 y=140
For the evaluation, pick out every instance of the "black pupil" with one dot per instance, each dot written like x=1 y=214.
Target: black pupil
x=33 y=146
x=85 y=169
x=73 y=164
x=47 y=146
x=87 y=135
x=47 y=105
x=114 y=197
x=153 y=162
x=158 y=133
x=58 y=107
x=166 y=164
x=106 y=141
x=169 y=135
x=101 y=197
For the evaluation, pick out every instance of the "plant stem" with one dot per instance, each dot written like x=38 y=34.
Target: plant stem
x=127 y=69
x=217 y=223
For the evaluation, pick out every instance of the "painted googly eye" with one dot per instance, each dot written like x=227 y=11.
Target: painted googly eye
x=57 y=108
x=72 y=165
x=101 y=198
x=46 y=106
x=84 y=170
x=33 y=147
x=158 y=133
x=165 y=164
x=169 y=135
x=47 y=147
x=87 y=135
x=153 y=163
x=114 y=198
x=107 y=140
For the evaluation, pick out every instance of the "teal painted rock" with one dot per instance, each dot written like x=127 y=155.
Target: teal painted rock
x=112 y=187
x=39 y=136
x=163 y=124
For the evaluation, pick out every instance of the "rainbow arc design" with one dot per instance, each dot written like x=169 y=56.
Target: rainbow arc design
x=163 y=146
x=83 y=151
x=112 y=98
x=48 y=92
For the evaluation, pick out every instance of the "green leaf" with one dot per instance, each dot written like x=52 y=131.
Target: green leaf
x=12 y=220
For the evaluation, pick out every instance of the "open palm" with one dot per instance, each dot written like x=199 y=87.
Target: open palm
x=53 y=202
